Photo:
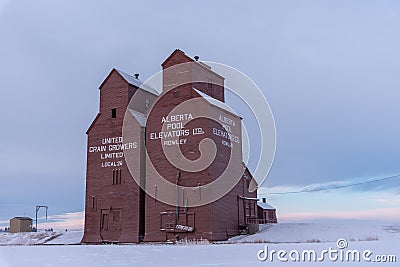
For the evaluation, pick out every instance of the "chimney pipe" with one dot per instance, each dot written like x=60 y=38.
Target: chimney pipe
x=196 y=58
x=264 y=200
x=136 y=75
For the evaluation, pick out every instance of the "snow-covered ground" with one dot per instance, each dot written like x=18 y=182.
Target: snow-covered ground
x=238 y=251
x=26 y=238
x=40 y=238
x=67 y=238
x=322 y=232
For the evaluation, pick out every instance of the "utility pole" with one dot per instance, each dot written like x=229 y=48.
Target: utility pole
x=178 y=176
x=37 y=210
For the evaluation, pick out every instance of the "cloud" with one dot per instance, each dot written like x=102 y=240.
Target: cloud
x=70 y=220
x=382 y=214
x=378 y=201
x=386 y=183
x=73 y=220
x=332 y=86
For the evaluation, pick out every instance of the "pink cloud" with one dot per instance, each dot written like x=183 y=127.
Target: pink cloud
x=382 y=214
x=71 y=221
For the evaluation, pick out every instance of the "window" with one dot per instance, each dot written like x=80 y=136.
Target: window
x=116 y=216
x=93 y=203
x=250 y=209
x=113 y=113
x=147 y=104
x=176 y=93
x=116 y=177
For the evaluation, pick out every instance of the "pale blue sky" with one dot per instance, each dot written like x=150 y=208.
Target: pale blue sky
x=329 y=69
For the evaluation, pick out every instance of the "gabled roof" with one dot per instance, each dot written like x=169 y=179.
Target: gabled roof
x=265 y=206
x=180 y=52
x=216 y=102
x=132 y=81
x=187 y=59
x=23 y=218
x=93 y=122
x=137 y=82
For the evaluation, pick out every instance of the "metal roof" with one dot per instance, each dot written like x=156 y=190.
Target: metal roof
x=265 y=206
x=248 y=198
x=140 y=117
x=216 y=102
x=137 y=82
x=22 y=218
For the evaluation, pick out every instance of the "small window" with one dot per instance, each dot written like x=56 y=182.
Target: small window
x=147 y=104
x=116 y=177
x=116 y=216
x=176 y=93
x=250 y=209
x=113 y=113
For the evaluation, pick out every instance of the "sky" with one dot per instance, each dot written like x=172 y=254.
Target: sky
x=329 y=70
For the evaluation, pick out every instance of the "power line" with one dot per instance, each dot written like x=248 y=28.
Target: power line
x=333 y=187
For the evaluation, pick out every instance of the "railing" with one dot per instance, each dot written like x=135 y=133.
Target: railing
x=171 y=223
x=258 y=221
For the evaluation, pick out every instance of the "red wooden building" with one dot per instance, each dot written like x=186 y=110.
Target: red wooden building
x=117 y=209
x=266 y=213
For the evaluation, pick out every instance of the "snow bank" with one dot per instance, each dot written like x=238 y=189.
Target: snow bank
x=40 y=238
x=67 y=238
x=33 y=238
x=320 y=232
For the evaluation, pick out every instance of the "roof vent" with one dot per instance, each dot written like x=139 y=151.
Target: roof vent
x=196 y=58
x=136 y=75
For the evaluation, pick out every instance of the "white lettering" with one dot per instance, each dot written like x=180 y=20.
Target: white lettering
x=111 y=140
x=227 y=120
x=111 y=164
x=174 y=142
x=226 y=135
x=97 y=149
x=177 y=118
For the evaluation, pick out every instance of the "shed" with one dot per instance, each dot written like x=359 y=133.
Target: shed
x=266 y=213
x=20 y=224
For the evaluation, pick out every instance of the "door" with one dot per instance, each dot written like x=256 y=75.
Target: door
x=104 y=221
x=110 y=225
